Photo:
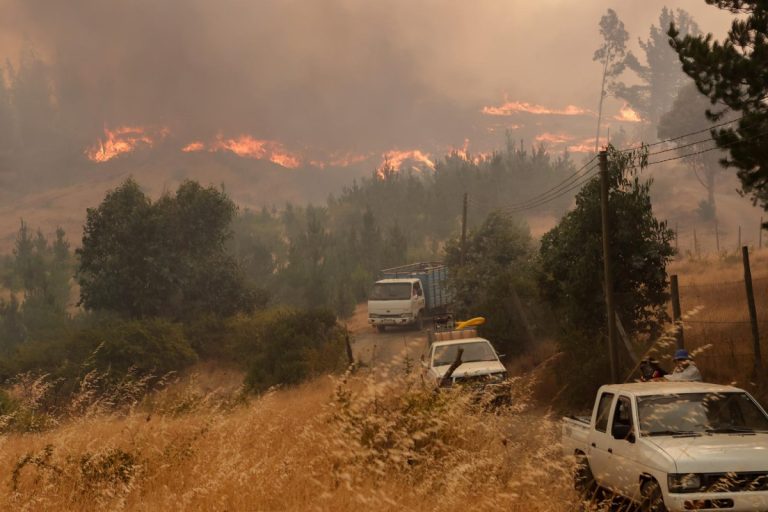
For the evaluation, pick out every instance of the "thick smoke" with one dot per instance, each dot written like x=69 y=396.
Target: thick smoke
x=337 y=75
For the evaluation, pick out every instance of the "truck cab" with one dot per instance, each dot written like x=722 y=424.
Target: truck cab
x=396 y=302
x=673 y=446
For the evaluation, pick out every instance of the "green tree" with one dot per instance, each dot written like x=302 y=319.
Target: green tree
x=497 y=270
x=169 y=258
x=611 y=55
x=688 y=115
x=732 y=74
x=660 y=76
x=572 y=269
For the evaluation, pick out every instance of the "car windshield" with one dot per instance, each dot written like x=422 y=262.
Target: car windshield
x=700 y=413
x=473 y=351
x=391 y=291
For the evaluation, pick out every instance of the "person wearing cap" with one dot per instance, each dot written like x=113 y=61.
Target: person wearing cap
x=685 y=368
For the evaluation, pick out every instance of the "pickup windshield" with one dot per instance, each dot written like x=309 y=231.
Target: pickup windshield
x=700 y=413
x=391 y=291
x=474 y=351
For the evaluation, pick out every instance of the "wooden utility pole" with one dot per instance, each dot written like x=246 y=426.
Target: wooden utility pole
x=463 y=229
x=752 y=310
x=679 y=341
x=607 y=268
x=760 y=235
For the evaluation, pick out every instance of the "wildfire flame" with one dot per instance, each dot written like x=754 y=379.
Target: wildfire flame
x=464 y=154
x=553 y=138
x=512 y=107
x=628 y=115
x=193 y=147
x=123 y=139
x=395 y=158
x=246 y=146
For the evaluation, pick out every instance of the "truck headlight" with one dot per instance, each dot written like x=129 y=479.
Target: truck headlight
x=684 y=482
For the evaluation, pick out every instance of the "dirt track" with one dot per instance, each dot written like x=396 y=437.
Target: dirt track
x=373 y=348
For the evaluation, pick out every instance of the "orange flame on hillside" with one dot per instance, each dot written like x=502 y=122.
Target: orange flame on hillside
x=395 y=158
x=513 y=107
x=553 y=138
x=193 y=147
x=628 y=115
x=123 y=139
x=464 y=154
x=246 y=146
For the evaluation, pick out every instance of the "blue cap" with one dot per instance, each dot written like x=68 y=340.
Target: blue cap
x=681 y=353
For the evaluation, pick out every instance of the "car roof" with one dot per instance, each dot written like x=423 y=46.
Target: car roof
x=667 y=388
x=458 y=342
x=399 y=280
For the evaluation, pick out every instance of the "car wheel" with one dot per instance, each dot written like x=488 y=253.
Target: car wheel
x=381 y=328
x=653 y=499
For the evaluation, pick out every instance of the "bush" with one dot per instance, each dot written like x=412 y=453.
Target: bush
x=284 y=346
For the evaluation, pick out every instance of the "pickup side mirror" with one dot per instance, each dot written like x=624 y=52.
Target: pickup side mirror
x=623 y=433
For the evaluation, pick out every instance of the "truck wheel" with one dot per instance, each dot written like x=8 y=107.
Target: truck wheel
x=583 y=480
x=381 y=328
x=653 y=499
x=420 y=322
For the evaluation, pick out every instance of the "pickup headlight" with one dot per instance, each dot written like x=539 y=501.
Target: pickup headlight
x=684 y=482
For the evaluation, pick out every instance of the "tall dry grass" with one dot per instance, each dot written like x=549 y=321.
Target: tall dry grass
x=713 y=294
x=367 y=441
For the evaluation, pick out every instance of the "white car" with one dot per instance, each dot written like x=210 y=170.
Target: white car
x=479 y=361
x=673 y=446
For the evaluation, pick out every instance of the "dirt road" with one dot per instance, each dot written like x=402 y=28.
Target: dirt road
x=393 y=347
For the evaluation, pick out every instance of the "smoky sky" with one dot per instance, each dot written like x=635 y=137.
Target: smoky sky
x=343 y=75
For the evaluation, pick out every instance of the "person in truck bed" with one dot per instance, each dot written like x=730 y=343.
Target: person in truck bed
x=650 y=370
x=685 y=368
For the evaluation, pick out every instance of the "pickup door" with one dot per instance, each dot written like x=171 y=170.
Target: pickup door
x=623 y=450
x=599 y=439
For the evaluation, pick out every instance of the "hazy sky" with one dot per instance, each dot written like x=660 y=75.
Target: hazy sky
x=331 y=76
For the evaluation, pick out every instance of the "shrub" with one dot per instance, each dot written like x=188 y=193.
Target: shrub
x=284 y=346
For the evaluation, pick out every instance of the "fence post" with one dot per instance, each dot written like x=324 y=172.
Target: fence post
x=752 y=310
x=695 y=244
x=717 y=239
x=679 y=341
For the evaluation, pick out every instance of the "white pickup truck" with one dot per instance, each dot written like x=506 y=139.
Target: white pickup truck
x=673 y=446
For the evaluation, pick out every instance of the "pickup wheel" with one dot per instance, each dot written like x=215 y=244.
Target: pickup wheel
x=420 y=321
x=653 y=499
x=583 y=480
x=381 y=328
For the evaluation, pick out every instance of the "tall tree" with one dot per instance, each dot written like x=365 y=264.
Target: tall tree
x=497 y=271
x=661 y=76
x=572 y=262
x=733 y=74
x=688 y=115
x=611 y=55
x=164 y=259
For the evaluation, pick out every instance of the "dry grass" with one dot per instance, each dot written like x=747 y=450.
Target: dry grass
x=382 y=442
x=717 y=325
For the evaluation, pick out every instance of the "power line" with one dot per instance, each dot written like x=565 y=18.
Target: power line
x=557 y=188
x=678 y=137
x=585 y=178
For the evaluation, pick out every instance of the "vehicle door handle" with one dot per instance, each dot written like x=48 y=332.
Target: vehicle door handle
x=594 y=445
x=610 y=450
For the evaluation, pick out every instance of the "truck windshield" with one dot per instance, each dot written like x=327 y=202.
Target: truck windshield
x=700 y=413
x=391 y=291
x=473 y=352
